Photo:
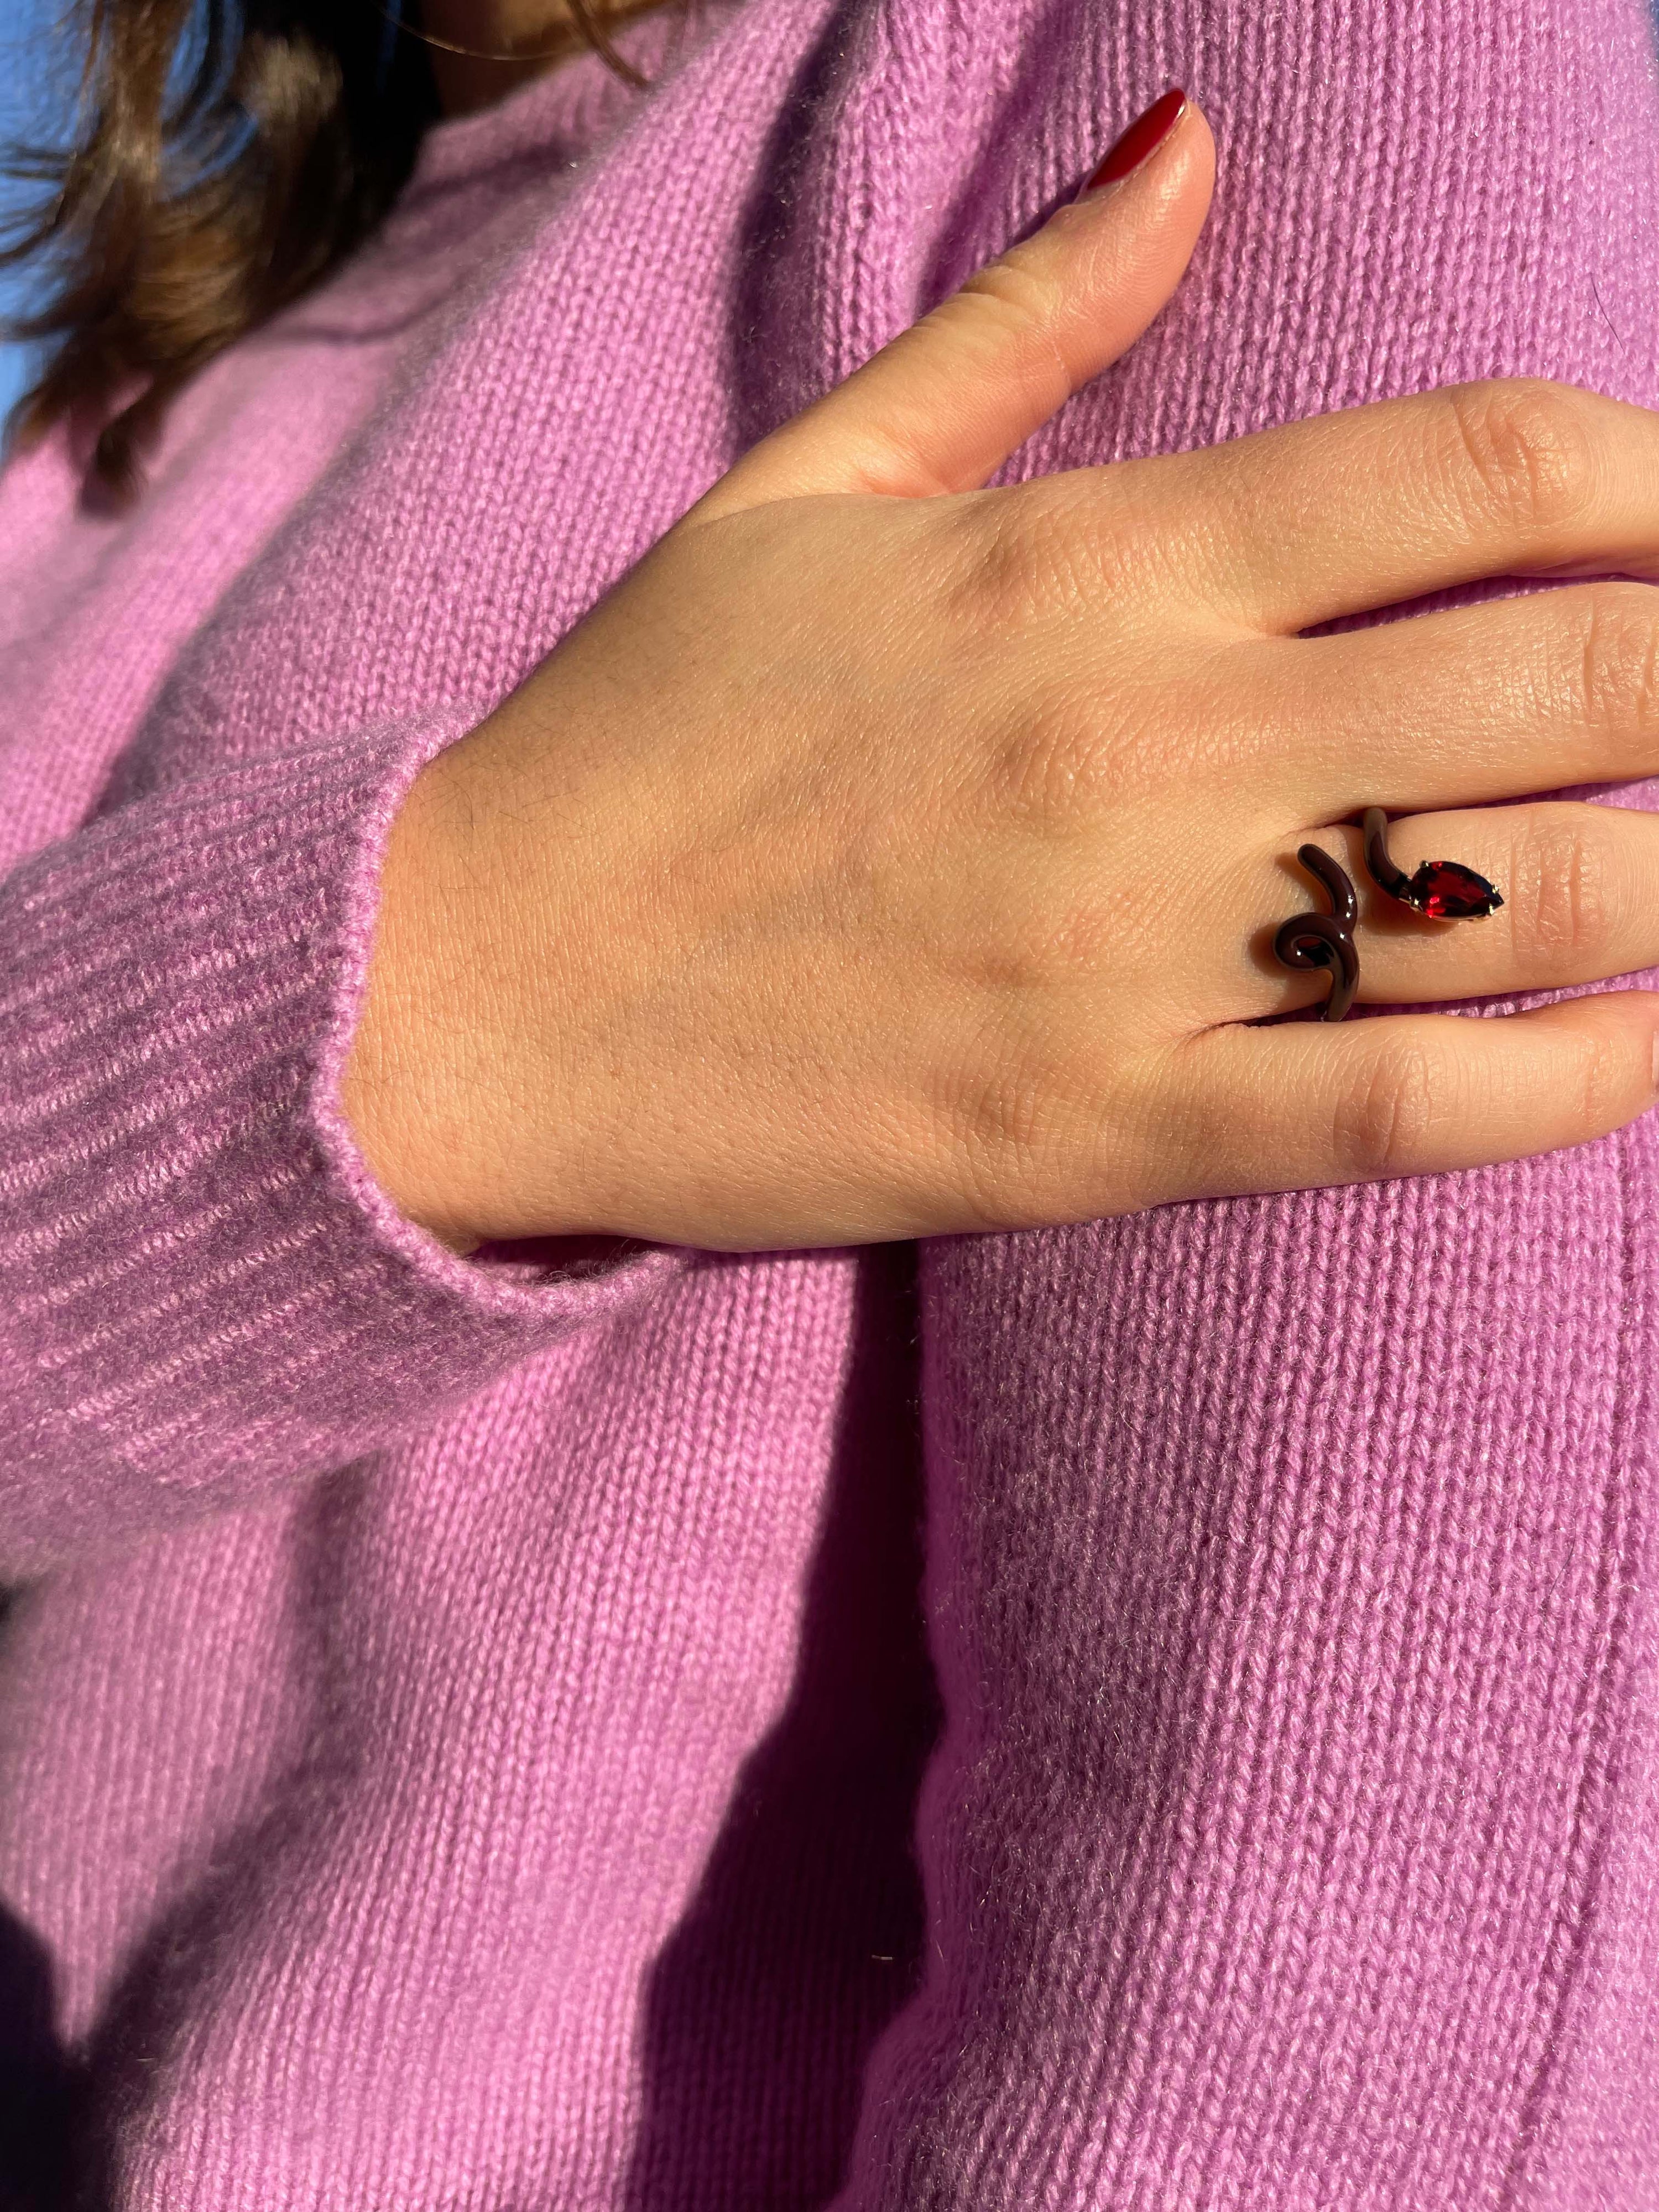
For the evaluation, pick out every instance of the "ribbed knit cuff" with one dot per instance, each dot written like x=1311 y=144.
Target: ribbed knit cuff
x=208 y=1294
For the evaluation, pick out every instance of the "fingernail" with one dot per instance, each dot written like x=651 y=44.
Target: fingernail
x=1655 y=1062
x=1144 y=137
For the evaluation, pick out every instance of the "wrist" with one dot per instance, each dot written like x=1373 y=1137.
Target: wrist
x=472 y=1068
x=400 y=1085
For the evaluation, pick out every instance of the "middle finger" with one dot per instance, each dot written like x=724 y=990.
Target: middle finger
x=1474 y=703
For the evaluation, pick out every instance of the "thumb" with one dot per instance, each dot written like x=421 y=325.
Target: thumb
x=943 y=406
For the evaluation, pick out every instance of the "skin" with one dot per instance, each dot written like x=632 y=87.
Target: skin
x=885 y=856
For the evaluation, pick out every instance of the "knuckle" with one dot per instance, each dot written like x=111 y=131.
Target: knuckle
x=1559 y=901
x=1383 y=1123
x=1020 y=296
x=996 y=1124
x=1039 y=1134
x=1616 y=642
x=1036 y=557
x=1057 y=770
x=1526 y=449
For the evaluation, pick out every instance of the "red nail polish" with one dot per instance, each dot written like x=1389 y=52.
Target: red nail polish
x=1143 y=136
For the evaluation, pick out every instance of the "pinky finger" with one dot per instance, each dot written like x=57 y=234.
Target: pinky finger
x=1308 y=1104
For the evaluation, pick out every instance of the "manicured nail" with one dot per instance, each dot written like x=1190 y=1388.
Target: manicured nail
x=1144 y=137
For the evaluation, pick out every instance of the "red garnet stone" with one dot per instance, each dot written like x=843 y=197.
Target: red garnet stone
x=1448 y=891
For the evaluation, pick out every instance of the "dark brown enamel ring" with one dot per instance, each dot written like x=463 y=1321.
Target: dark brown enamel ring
x=1442 y=890
x=1325 y=940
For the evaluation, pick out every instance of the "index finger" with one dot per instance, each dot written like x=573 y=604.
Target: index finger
x=1343 y=513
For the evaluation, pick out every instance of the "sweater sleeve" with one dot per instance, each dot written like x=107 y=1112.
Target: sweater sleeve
x=206 y=1293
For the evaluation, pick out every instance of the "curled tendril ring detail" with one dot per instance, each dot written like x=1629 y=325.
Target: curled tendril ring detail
x=1325 y=940
x=1442 y=890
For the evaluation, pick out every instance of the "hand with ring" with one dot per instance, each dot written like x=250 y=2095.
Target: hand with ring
x=886 y=855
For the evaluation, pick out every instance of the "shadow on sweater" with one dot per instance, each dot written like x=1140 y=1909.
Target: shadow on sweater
x=804 y=1935
x=37 y=2079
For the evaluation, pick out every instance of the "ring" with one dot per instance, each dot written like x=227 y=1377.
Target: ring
x=1443 y=891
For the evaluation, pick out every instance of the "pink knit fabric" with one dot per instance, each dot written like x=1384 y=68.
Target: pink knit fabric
x=469 y=1734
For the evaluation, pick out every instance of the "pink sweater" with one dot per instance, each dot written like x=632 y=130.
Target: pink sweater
x=1159 y=1714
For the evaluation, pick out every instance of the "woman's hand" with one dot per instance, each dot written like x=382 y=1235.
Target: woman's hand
x=886 y=856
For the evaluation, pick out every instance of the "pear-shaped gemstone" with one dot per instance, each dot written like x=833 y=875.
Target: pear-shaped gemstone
x=1448 y=891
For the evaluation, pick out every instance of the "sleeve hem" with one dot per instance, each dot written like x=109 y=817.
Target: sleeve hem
x=589 y=1288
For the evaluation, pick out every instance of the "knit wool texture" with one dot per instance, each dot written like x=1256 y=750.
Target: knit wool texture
x=1152 y=1715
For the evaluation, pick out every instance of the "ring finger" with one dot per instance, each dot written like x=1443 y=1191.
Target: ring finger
x=1580 y=886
